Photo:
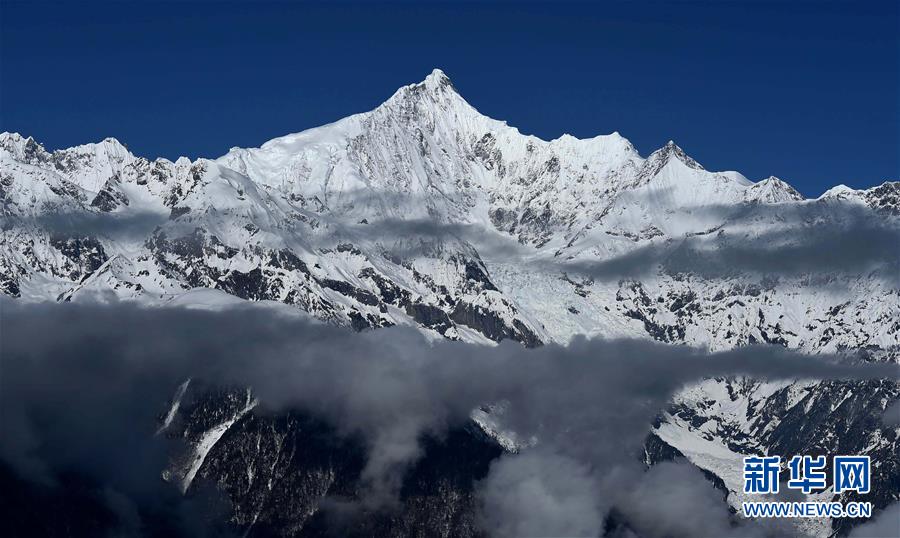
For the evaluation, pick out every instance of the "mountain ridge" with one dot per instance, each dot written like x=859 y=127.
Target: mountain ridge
x=436 y=84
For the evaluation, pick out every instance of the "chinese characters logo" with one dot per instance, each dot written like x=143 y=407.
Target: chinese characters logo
x=807 y=474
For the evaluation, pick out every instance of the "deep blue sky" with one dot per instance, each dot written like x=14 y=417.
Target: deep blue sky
x=808 y=91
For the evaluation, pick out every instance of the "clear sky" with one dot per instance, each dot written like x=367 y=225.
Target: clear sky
x=806 y=90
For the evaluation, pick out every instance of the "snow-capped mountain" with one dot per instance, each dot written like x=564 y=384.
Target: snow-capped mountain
x=424 y=212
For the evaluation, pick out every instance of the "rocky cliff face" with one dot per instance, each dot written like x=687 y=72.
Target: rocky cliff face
x=423 y=212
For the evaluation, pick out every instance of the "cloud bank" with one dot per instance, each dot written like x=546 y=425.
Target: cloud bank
x=94 y=379
x=789 y=240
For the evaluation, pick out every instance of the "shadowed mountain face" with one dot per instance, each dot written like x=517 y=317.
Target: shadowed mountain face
x=425 y=213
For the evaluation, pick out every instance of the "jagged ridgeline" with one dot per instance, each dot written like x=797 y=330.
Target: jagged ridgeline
x=426 y=213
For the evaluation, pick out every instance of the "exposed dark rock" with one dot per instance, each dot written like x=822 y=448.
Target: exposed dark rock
x=278 y=469
x=475 y=272
x=250 y=285
x=85 y=253
x=390 y=293
x=348 y=289
x=490 y=324
x=429 y=316
x=110 y=196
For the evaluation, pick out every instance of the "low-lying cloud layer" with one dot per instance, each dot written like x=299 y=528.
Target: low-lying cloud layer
x=789 y=240
x=125 y=226
x=83 y=385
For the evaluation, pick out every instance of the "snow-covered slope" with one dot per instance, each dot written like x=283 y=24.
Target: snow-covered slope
x=425 y=212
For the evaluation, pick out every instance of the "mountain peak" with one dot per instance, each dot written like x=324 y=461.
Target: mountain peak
x=885 y=197
x=772 y=190
x=24 y=148
x=663 y=155
x=436 y=83
x=437 y=79
x=435 y=91
x=775 y=180
x=838 y=191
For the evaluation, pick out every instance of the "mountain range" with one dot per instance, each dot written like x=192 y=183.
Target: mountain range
x=425 y=213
